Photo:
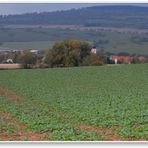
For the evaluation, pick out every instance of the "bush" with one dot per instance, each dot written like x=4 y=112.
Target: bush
x=27 y=59
x=92 y=60
x=43 y=65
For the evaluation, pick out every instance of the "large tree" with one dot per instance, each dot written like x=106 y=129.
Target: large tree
x=67 y=53
x=27 y=59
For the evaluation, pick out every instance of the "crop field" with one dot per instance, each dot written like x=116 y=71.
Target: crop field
x=36 y=45
x=68 y=104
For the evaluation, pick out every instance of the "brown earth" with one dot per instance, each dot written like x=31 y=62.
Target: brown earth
x=107 y=133
x=11 y=95
x=10 y=66
x=21 y=131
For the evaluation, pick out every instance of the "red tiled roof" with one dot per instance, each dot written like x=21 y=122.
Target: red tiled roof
x=127 y=59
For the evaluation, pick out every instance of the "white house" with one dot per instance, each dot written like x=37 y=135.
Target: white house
x=94 y=50
x=34 y=51
x=9 y=61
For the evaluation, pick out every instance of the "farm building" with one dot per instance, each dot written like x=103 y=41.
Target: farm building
x=118 y=59
x=126 y=59
x=142 y=59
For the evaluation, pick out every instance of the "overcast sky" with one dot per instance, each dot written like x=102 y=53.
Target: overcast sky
x=13 y=8
x=25 y=8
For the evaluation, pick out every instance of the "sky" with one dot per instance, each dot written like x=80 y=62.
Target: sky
x=14 y=8
x=19 y=8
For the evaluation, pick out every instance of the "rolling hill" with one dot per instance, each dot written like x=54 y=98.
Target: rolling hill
x=122 y=16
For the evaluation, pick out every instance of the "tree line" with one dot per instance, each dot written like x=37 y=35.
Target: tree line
x=67 y=53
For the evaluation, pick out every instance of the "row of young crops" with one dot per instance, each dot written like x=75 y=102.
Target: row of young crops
x=59 y=99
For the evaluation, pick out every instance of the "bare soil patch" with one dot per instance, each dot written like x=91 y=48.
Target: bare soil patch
x=11 y=95
x=107 y=133
x=10 y=66
x=22 y=133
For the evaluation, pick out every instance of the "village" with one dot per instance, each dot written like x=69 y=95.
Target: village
x=8 y=58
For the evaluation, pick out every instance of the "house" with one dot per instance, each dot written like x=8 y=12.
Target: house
x=8 y=61
x=94 y=50
x=142 y=59
x=34 y=51
x=121 y=59
x=127 y=59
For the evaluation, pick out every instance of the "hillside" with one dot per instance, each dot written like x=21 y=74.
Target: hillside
x=124 y=16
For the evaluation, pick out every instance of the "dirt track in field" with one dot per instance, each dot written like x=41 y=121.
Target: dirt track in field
x=22 y=131
x=108 y=133
x=11 y=95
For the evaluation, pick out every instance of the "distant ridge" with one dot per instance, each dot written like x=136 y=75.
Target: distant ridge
x=120 y=16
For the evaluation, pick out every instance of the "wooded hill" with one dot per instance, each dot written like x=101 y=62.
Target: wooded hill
x=124 y=16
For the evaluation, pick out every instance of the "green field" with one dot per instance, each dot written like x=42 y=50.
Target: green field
x=43 y=38
x=38 y=45
x=86 y=103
